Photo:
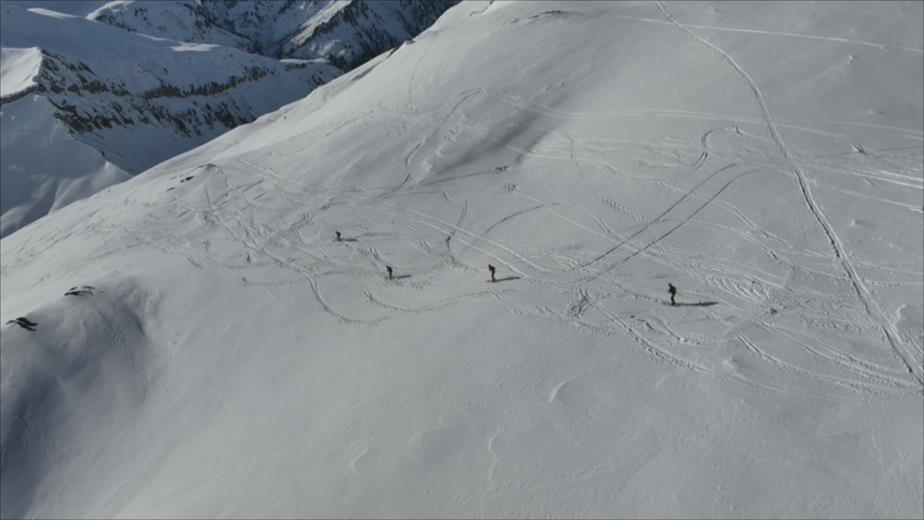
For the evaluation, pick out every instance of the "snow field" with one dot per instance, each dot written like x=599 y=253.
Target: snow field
x=593 y=152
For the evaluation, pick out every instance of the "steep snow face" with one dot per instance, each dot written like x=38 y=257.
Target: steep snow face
x=132 y=100
x=344 y=33
x=233 y=359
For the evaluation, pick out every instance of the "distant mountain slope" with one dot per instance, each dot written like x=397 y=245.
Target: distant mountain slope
x=43 y=167
x=195 y=342
x=344 y=33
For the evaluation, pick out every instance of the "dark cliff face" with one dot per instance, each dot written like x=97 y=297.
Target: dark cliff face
x=104 y=104
x=87 y=103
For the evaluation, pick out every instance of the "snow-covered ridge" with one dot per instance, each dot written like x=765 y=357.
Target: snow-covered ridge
x=766 y=159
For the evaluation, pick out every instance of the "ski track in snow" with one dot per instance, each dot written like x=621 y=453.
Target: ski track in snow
x=789 y=332
x=839 y=250
x=655 y=338
x=836 y=39
x=589 y=288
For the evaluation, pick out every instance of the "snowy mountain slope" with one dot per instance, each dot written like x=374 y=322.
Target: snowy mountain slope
x=345 y=33
x=44 y=167
x=131 y=100
x=231 y=359
x=175 y=20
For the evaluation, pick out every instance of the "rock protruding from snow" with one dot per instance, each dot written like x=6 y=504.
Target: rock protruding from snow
x=70 y=354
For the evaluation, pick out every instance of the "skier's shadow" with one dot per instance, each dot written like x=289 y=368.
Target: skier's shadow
x=693 y=304
x=507 y=279
x=347 y=240
x=401 y=277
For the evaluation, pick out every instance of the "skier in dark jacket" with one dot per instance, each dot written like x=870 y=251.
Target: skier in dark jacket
x=673 y=292
x=388 y=268
x=338 y=235
x=491 y=268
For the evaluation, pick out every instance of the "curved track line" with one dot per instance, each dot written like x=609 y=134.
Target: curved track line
x=872 y=308
x=695 y=212
x=658 y=217
x=781 y=33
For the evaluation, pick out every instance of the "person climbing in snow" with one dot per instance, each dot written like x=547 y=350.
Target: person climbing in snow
x=673 y=292
x=338 y=235
x=388 y=268
x=491 y=268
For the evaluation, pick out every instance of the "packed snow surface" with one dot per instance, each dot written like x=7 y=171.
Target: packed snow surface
x=219 y=354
